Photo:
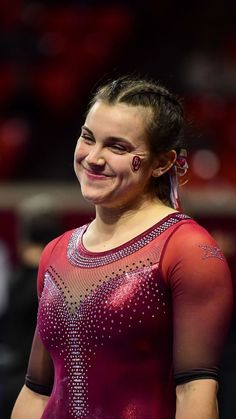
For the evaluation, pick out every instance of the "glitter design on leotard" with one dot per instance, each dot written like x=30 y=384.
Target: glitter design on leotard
x=60 y=331
x=211 y=252
x=75 y=338
x=79 y=256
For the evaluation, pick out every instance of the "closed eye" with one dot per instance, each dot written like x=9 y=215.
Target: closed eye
x=118 y=148
x=88 y=139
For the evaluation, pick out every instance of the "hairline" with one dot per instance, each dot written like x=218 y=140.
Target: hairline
x=148 y=109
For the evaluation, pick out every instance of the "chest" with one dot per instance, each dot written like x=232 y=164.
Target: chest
x=90 y=309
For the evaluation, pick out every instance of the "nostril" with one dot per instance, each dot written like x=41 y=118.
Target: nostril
x=95 y=161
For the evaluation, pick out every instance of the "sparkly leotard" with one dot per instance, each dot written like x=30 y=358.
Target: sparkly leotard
x=115 y=328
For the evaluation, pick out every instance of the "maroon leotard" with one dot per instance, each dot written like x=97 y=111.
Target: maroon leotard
x=119 y=326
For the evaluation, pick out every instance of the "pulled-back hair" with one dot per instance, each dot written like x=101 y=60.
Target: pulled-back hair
x=165 y=122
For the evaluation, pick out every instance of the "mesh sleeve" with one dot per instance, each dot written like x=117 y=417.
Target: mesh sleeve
x=43 y=263
x=201 y=287
x=40 y=372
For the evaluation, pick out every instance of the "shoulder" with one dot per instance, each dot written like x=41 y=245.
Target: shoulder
x=189 y=246
x=59 y=244
x=192 y=252
x=189 y=234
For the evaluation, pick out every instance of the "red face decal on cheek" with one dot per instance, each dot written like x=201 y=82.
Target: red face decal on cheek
x=136 y=163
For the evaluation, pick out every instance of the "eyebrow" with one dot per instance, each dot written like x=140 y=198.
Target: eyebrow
x=87 y=129
x=110 y=138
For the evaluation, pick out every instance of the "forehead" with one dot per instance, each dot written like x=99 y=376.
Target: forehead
x=118 y=120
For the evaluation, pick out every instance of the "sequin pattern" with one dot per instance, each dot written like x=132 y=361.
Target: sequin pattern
x=211 y=252
x=130 y=301
x=80 y=258
x=106 y=319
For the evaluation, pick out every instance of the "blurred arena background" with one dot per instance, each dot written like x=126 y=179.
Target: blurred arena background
x=52 y=54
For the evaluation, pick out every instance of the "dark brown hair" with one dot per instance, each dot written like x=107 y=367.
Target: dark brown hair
x=165 y=122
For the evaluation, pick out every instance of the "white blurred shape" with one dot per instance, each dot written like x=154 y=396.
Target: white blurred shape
x=205 y=164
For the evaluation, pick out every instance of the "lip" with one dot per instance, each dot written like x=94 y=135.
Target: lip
x=94 y=175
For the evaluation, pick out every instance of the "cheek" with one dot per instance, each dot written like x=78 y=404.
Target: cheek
x=80 y=152
x=129 y=168
x=123 y=167
x=136 y=163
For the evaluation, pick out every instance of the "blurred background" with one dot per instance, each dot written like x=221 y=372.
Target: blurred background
x=52 y=54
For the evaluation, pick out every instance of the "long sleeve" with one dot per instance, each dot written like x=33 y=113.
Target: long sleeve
x=40 y=372
x=201 y=288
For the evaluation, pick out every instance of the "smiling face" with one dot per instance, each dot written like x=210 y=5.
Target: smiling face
x=113 y=140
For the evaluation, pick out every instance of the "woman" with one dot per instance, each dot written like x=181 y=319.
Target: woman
x=134 y=307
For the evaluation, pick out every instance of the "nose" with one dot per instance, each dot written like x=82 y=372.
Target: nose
x=95 y=157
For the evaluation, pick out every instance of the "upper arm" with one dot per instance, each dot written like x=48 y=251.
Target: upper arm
x=202 y=301
x=33 y=397
x=40 y=372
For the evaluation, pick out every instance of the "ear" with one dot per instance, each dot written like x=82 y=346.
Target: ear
x=163 y=163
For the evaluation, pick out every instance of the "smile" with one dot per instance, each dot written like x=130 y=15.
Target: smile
x=95 y=175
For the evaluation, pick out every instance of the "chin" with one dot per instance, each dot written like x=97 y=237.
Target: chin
x=96 y=196
x=94 y=200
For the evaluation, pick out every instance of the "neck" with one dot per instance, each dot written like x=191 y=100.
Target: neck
x=111 y=220
x=112 y=227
